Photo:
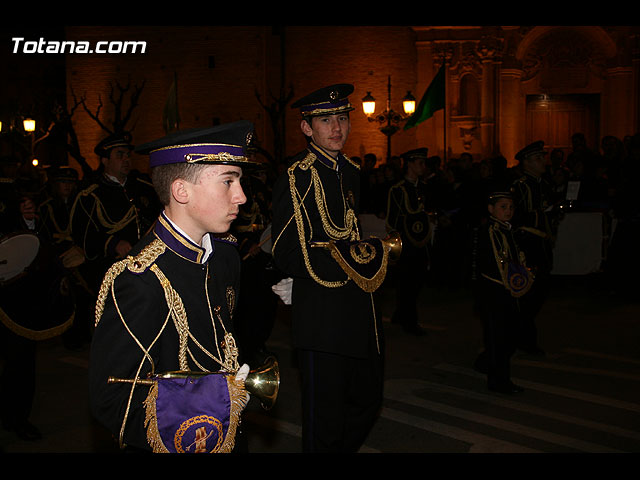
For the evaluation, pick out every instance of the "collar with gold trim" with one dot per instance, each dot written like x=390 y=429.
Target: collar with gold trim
x=179 y=243
x=326 y=159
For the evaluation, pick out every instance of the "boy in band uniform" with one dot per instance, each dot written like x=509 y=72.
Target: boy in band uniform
x=335 y=328
x=168 y=306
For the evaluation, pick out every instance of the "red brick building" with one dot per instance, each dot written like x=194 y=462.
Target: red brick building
x=505 y=85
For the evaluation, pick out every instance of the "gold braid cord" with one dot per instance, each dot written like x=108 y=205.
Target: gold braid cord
x=502 y=254
x=349 y=231
x=138 y=264
x=367 y=284
x=407 y=230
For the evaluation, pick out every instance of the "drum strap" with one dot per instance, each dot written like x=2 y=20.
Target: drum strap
x=35 y=334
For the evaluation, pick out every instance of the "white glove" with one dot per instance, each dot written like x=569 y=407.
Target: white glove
x=283 y=290
x=241 y=376
x=243 y=372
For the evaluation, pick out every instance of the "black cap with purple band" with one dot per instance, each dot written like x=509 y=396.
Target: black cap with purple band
x=223 y=144
x=326 y=101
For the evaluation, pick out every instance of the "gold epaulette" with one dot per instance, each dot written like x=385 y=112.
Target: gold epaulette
x=304 y=163
x=351 y=162
x=137 y=264
x=87 y=191
x=225 y=238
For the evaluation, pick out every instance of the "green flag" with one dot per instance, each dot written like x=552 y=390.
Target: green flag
x=170 y=115
x=432 y=100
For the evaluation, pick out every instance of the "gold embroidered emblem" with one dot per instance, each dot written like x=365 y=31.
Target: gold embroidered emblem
x=231 y=299
x=201 y=435
x=417 y=227
x=362 y=252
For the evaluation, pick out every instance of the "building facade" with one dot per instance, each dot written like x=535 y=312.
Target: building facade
x=505 y=85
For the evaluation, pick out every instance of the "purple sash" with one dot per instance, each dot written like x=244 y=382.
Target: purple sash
x=519 y=279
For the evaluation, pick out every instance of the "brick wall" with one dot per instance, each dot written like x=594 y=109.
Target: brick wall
x=220 y=69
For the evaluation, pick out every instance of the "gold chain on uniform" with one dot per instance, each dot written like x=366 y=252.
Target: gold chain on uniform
x=502 y=251
x=350 y=230
x=138 y=264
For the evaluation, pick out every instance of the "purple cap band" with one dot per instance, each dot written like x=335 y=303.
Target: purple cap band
x=198 y=153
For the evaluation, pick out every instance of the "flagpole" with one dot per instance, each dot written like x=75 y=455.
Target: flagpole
x=444 y=113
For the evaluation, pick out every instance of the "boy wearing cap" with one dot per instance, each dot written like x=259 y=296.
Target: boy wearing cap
x=168 y=306
x=334 y=324
x=503 y=278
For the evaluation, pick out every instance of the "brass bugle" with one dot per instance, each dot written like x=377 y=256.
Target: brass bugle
x=263 y=382
x=392 y=242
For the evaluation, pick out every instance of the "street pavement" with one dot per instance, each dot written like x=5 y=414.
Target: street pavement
x=582 y=396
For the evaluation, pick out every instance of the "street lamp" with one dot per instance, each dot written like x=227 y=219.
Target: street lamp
x=388 y=119
x=29 y=125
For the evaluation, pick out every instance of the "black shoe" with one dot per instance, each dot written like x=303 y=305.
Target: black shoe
x=25 y=431
x=508 y=388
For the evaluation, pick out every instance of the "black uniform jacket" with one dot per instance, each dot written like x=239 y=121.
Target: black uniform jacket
x=496 y=247
x=406 y=212
x=330 y=313
x=140 y=335
x=532 y=198
x=107 y=212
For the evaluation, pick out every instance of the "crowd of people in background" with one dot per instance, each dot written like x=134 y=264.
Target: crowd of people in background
x=456 y=188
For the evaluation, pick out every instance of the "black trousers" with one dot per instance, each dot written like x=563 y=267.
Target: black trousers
x=500 y=332
x=341 y=399
x=411 y=275
x=18 y=377
x=501 y=323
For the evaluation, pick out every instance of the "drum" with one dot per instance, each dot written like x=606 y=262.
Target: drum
x=265 y=240
x=17 y=253
x=36 y=294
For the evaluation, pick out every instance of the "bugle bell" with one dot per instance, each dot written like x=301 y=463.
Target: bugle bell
x=393 y=242
x=264 y=382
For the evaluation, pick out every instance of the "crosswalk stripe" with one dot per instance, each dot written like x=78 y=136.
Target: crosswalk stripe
x=480 y=443
x=565 y=392
x=569 y=368
x=604 y=356
x=401 y=390
x=530 y=409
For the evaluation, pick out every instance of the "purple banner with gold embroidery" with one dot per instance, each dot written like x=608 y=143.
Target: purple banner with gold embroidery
x=194 y=414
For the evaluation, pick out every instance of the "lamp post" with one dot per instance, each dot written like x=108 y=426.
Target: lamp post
x=29 y=125
x=389 y=119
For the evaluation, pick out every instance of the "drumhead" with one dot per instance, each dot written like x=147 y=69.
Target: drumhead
x=265 y=240
x=17 y=252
